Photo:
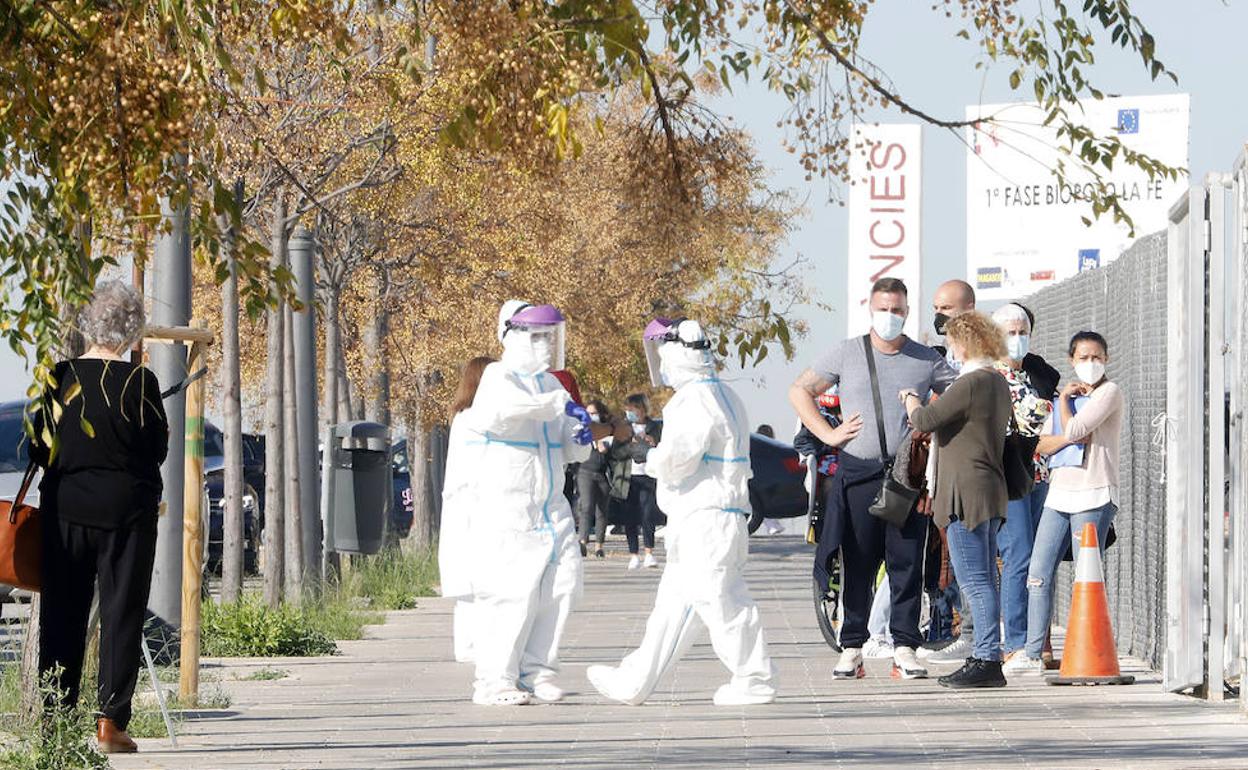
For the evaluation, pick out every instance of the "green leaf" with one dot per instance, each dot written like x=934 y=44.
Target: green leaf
x=86 y=427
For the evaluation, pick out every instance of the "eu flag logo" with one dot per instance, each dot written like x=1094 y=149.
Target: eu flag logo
x=1128 y=121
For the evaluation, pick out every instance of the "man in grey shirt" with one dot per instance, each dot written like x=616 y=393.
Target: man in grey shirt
x=864 y=540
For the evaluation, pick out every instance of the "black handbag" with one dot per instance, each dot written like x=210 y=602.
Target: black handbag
x=895 y=500
x=1018 y=461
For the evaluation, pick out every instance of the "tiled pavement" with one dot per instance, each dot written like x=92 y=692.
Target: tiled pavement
x=396 y=701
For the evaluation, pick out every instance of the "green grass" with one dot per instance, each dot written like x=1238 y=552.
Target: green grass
x=248 y=628
x=64 y=738
x=264 y=675
x=393 y=580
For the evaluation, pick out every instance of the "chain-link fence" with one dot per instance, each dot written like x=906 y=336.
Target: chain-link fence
x=1126 y=302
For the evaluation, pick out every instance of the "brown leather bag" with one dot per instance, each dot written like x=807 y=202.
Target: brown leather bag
x=21 y=542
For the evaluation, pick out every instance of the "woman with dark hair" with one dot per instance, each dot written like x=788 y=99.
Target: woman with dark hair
x=100 y=496
x=593 y=489
x=463 y=473
x=1089 y=415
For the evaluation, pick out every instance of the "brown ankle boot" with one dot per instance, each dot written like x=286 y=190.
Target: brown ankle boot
x=112 y=739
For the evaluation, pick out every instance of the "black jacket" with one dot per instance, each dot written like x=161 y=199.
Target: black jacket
x=641 y=449
x=1043 y=377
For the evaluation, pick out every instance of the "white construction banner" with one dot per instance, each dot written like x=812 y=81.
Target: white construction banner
x=1024 y=231
x=885 y=235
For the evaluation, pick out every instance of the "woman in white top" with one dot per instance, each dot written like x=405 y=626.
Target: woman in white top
x=463 y=474
x=1078 y=494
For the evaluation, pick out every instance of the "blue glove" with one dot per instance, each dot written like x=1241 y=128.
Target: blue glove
x=583 y=436
x=574 y=409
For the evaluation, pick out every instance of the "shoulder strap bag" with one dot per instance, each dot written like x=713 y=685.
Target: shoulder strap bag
x=21 y=542
x=1018 y=460
x=895 y=500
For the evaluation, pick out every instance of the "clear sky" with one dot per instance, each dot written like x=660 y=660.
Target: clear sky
x=1202 y=40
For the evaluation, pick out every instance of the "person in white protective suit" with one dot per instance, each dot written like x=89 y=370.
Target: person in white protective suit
x=702 y=465
x=457 y=554
x=528 y=572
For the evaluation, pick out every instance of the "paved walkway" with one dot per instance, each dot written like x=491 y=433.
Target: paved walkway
x=395 y=701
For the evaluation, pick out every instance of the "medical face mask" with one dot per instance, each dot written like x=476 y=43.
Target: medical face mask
x=1017 y=345
x=596 y=417
x=953 y=362
x=543 y=349
x=938 y=323
x=1090 y=372
x=887 y=325
x=631 y=416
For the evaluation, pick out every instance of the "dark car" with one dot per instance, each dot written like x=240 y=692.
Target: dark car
x=403 y=505
x=778 y=488
x=253 y=496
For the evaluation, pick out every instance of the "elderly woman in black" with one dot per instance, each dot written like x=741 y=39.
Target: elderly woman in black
x=99 y=496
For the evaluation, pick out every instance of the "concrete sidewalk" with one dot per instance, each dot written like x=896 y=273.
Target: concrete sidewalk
x=395 y=700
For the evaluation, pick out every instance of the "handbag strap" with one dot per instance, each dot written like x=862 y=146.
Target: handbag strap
x=27 y=477
x=875 y=394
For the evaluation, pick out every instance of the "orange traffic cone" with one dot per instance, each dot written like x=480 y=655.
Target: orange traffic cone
x=1090 y=656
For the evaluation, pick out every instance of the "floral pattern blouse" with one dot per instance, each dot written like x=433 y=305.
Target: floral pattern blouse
x=1031 y=411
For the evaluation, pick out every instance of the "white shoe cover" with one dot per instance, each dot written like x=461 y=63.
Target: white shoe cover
x=603 y=680
x=727 y=695
x=548 y=692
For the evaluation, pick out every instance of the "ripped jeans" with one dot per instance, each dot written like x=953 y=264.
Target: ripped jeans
x=1056 y=531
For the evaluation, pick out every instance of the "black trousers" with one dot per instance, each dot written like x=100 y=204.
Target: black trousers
x=74 y=557
x=592 y=495
x=643 y=512
x=865 y=542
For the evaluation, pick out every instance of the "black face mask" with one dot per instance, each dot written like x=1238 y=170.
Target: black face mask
x=939 y=323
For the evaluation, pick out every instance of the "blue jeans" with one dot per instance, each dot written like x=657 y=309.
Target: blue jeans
x=1056 y=530
x=1014 y=541
x=974 y=555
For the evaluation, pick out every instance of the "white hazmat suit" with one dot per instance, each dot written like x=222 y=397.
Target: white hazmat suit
x=465 y=461
x=528 y=572
x=702 y=465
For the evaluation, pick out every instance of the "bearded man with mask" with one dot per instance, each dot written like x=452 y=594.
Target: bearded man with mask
x=702 y=470
x=864 y=539
x=529 y=429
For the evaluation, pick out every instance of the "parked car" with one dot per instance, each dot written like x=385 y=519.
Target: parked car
x=253 y=497
x=778 y=488
x=403 y=505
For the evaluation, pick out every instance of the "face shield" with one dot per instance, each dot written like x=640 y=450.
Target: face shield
x=536 y=334
x=656 y=333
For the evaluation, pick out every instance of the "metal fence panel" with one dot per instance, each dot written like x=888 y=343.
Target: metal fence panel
x=1125 y=301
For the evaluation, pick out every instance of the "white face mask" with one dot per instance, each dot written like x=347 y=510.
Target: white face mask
x=1017 y=345
x=543 y=350
x=595 y=417
x=1090 y=372
x=887 y=325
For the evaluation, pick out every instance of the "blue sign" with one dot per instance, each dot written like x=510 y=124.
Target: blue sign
x=990 y=277
x=1089 y=259
x=1128 y=121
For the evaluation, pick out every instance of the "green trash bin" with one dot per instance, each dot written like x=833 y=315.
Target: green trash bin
x=359 y=486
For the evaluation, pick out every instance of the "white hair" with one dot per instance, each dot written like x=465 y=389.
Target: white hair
x=114 y=317
x=1011 y=312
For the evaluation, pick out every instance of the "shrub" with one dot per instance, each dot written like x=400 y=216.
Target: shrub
x=64 y=738
x=248 y=628
x=394 y=580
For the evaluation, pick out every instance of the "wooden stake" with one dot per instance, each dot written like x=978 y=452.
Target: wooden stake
x=192 y=531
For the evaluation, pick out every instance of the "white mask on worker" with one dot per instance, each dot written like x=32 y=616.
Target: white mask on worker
x=887 y=325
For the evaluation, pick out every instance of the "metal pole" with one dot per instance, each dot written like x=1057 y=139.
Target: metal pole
x=193 y=534
x=171 y=306
x=302 y=249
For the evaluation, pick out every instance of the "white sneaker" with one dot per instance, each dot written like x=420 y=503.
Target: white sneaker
x=634 y=562
x=850 y=665
x=548 y=692
x=650 y=561
x=603 y=678
x=727 y=695
x=957 y=652
x=906 y=664
x=660 y=531
x=1018 y=664
x=511 y=697
x=877 y=649
x=774 y=529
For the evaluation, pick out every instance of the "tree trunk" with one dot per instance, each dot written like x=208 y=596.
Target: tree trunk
x=377 y=404
x=418 y=471
x=344 y=384
x=274 y=455
x=31 y=706
x=232 y=545
x=330 y=402
x=294 y=510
